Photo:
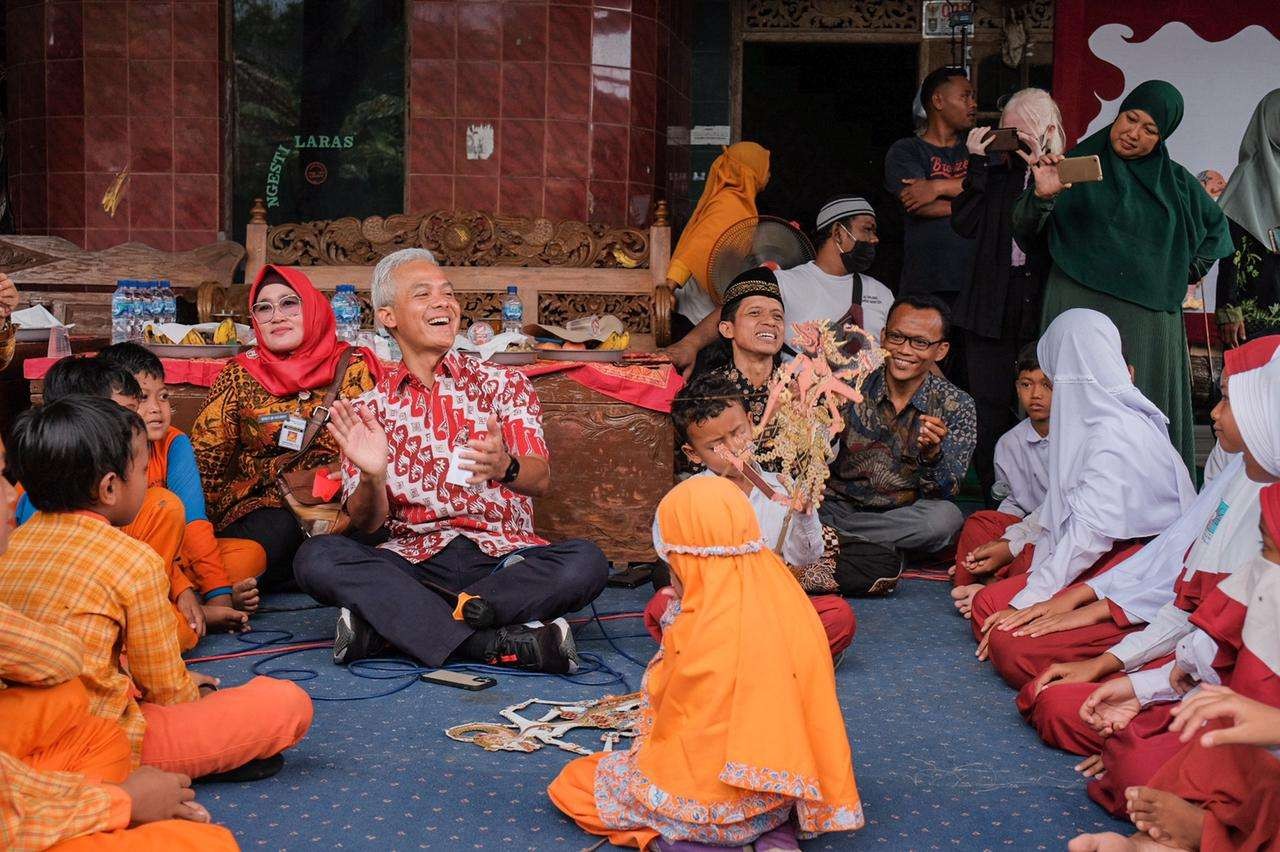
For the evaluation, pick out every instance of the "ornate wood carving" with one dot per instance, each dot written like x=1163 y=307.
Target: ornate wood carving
x=478 y=306
x=36 y=261
x=612 y=463
x=458 y=238
x=635 y=311
x=898 y=16
x=14 y=258
x=991 y=14
x=883 y=16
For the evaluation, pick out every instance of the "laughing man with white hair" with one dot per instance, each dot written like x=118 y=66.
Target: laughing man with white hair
x=446 y=452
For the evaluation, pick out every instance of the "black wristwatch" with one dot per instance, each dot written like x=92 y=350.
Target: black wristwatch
x=513 y=471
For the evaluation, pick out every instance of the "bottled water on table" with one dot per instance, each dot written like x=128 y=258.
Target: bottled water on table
x=120 y=311
x=168 y=303
x=346 y=308
x=144 y=305
x=512 y=311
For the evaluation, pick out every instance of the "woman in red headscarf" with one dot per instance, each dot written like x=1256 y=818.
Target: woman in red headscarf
x=247 y=430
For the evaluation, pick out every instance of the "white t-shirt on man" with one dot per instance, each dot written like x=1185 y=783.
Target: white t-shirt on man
x=810 y=294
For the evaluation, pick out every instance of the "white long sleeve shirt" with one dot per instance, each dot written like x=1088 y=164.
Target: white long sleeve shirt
x=1194 y=655
x=803 y=544
x=1075 y=550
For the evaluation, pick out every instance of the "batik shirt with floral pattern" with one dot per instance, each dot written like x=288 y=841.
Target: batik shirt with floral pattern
x=236 y=438
x=879 y=465
x=424 y=426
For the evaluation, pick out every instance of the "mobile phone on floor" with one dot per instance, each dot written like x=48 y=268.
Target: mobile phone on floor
x=459 y=680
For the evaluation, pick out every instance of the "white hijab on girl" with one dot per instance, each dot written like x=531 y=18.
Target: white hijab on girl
x=1113 y=475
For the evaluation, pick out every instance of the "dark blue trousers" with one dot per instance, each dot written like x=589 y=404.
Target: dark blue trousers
x=384 y=588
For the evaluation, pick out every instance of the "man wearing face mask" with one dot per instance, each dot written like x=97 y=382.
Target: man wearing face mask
x=834 y=286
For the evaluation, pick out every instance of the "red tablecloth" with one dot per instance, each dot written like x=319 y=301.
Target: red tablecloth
x=645 y=380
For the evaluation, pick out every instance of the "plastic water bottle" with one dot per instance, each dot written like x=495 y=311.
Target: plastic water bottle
x=137 y=308
x=120 y=318
x=389 y=344
x=168 y=303
x=346 y=308
x=512 y=311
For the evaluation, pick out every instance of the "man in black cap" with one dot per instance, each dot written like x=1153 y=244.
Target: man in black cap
x=749 y=339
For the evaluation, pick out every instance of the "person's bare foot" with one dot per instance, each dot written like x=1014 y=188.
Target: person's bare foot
x=1111 y=842
x=1091 y=767
x=963 y=597
x=224 y=619
x=1168 y=819
x=244 y=595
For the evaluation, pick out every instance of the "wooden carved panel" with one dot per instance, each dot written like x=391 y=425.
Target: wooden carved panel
x=477 y=306
x=53 y=260
x=636 y=312
x=894 y=16
x=611 y=463
x=991 y=14
x=883 y=16
x=459 y=238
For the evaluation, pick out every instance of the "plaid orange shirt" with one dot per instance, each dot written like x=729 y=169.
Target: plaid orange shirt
x=35 y=654
x=39 y=809
x=77 y=571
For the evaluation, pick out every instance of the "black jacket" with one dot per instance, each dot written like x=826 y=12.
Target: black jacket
x=989 y=306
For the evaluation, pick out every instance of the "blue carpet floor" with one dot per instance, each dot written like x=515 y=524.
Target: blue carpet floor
x=943 y=760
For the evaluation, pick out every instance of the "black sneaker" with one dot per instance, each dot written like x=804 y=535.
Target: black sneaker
x=354 y=639
x=548 y=648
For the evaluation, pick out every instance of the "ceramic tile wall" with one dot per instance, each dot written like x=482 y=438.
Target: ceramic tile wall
x=98 y=86
x=565 y=110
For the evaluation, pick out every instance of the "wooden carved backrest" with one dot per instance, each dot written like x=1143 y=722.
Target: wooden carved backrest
x=459 y=238
x=566 y=268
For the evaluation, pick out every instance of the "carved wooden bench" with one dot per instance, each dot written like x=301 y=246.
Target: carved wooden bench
x=564 y=269
x=76 y=285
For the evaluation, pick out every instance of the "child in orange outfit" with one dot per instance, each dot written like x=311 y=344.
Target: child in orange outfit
x=224 y=571
x=65 y=779
x=70 y=565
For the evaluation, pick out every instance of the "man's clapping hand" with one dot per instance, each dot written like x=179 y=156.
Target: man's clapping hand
x=360 y=437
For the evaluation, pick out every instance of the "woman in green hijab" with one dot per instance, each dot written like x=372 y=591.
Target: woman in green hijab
x=1127 y=246
x=1251 y=203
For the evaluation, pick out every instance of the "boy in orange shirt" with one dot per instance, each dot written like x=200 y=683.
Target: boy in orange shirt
x=65 y=778
x=71 y=565
x=162 y=521
x=224 y=570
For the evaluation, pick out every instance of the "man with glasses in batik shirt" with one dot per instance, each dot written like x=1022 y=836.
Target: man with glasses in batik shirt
x=905 y=448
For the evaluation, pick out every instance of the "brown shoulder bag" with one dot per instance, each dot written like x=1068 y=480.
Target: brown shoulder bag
x=315 y=515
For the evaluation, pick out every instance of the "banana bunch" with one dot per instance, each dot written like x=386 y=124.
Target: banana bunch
x=224 y=334
x=615 y=341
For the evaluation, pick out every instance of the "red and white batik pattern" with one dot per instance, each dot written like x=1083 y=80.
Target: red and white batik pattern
x=423 y=427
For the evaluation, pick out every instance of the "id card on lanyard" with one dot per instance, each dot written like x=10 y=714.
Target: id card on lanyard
x=291 y=432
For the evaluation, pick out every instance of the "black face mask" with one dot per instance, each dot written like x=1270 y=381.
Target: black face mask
x=859 y=258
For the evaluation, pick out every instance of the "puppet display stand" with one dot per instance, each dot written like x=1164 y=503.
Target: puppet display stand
x=617 y=715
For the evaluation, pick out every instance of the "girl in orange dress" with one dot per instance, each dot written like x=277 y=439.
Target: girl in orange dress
x=741 y=739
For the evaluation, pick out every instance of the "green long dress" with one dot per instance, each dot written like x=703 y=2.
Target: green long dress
x=1128 y=245
x=1154 y=341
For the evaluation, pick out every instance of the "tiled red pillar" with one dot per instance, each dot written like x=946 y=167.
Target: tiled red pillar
x=566 y=105
x=100 y=86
